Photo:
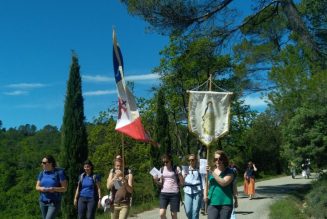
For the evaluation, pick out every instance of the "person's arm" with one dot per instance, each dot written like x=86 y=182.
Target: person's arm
x=254 y=167
x=225 y=181
x=76 y=195
x=99 y=192
x=110 y=180
x=62 y=188
x=157 y=180
x=128 y=183
x=180 y=176
x=39 y=188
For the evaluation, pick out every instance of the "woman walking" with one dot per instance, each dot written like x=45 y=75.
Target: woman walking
x=121 y=186
x=88 y=192
x=193 y=190
x=220 y=194
x=249 y=179
x=51 y=183
x=169 y=182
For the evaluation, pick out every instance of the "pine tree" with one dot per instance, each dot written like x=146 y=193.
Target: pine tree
x=74 y=137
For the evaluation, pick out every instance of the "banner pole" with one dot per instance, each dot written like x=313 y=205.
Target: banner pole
x=207 y=182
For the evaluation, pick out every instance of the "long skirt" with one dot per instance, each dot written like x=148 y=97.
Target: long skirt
x=249 y=186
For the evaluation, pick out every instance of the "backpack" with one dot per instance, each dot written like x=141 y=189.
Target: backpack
x=56 y=172
x=80 y=179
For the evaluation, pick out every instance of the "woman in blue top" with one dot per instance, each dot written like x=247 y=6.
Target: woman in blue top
x=51 y=183
x=220 y=194
x=88 y=192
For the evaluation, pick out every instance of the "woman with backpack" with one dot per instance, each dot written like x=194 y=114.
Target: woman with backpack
x=193 y=190
x=51 y=182
x=170 y=180
x=120 y=182
x=88 y=192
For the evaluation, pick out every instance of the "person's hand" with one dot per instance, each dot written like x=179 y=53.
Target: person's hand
x=75 y=202
x=50 y=189
x=155 y=178
x=235 y=203
x=118 y=173
x=99 y=203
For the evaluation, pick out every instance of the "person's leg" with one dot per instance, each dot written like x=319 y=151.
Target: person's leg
x=44 y=209
x=91 y=207
x=162 y=213
x=164 y=201
x=53 y=209
x=188 y=205
x=213 y=212
x=115 y=212
x=81 y=208
x=123 y=214
x=226 y=211
x=197 y=199
x=174 y=205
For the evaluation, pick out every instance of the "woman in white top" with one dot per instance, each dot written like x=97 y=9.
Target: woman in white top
x=192 y=188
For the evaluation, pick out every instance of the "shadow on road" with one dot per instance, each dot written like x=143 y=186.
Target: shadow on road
x=281 y=189
x=244 y=212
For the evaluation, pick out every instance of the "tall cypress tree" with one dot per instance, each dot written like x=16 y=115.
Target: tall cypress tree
x=74 y=137
x=162 y=125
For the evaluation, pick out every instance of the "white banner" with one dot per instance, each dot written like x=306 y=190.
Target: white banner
x=209 y=114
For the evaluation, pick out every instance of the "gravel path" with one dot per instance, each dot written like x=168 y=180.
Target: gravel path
x=258 y=208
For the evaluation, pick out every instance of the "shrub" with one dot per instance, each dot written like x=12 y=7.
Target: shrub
x=317 y=199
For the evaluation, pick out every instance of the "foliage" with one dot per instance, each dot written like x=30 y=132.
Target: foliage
x=317 y=200
x=74 y=137
x=162 y=127
x=289 y=207
x=20 y=157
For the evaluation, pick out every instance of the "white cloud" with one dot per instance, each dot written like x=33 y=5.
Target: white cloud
x=97 y=78
x=142 y=77
x=99 y=92
x=26 y=85
x=16 y=93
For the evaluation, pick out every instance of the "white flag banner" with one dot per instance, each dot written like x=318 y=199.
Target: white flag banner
x=209 y=113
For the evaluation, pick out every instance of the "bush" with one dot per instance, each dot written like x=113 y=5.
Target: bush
x=317 y=199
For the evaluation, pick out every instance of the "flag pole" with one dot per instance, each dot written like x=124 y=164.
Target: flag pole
x=123 y=154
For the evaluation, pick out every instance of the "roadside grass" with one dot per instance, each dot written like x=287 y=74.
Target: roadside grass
x=308 y=202
x=287 y=208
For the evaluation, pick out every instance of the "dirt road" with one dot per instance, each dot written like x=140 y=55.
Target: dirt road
x=267 y=192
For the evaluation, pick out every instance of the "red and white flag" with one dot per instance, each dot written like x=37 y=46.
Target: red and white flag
x=129 y=120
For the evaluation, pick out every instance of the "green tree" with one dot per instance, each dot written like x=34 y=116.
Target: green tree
x=74 y=136
x=162 y=130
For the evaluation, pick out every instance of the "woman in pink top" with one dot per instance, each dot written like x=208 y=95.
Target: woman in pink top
x=169 y=181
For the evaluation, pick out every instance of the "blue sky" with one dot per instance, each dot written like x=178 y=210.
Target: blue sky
x=36 y=41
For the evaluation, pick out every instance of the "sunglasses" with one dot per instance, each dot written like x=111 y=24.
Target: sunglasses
x=42 y=162
x=165 y=161
x=191 y=160
x=217 y=159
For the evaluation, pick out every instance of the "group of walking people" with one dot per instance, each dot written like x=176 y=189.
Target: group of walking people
x=52 y=182
x=220 y=196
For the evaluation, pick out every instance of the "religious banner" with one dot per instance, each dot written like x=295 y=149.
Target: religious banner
x=209 y=114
